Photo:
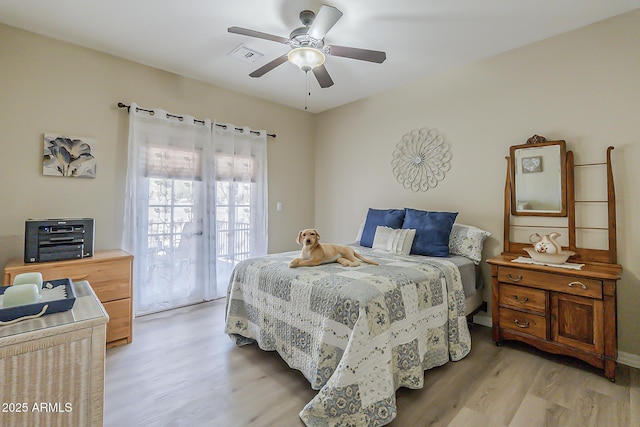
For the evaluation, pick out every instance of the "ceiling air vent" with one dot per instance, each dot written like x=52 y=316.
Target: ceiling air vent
x=245 y=54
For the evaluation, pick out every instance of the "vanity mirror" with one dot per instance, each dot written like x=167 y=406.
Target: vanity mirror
x=538 y=173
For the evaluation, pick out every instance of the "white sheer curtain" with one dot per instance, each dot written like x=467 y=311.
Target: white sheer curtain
x=195 y=205
x=241 y=197
x=168 y=210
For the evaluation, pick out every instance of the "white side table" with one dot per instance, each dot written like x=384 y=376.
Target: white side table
x=52 y=367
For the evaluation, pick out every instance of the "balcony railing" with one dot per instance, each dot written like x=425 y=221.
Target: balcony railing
x=232 y=242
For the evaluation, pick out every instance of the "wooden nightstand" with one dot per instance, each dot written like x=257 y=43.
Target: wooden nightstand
x=110 y=274
x=559 y=310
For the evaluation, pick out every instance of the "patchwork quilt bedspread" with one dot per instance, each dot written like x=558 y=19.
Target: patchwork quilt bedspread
x=356 y=333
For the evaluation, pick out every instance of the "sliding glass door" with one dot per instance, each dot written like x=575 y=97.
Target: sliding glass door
x=195 y=206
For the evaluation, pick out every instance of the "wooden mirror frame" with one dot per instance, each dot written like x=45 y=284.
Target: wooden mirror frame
x=563 y=179
x=583 y=255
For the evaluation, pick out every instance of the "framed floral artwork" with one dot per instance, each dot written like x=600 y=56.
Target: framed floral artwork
x=68 y=156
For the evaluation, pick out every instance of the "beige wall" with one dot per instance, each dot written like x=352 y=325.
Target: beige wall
x=582 y=86
x=50 y=86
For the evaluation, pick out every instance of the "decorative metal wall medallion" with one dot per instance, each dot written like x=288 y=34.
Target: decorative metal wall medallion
x=421 y=159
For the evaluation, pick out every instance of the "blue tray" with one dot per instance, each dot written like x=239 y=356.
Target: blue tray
x=55 y=306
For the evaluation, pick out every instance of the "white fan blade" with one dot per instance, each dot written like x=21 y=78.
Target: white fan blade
x=324 y=21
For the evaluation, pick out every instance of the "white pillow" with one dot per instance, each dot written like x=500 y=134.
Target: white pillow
x=395 y=240
x=360 y=230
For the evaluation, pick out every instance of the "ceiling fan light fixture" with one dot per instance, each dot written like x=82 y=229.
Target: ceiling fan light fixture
x=306 y=58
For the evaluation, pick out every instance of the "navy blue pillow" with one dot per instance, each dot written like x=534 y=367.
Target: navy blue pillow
x=388 y=217
x=432 y=231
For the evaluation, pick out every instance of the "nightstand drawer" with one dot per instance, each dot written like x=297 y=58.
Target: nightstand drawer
x=523 y=298
x=111 y=280
x=526 y=323
x=565 y=283
x=119 y=325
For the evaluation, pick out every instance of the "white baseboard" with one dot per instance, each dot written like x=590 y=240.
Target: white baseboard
x=629 y=359
x=624 y=358
x=483 y=319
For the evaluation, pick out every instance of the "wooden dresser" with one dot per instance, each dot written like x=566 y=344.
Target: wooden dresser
x=555 y=308
x=110 y=274
x=563 y=311
x=52 y=367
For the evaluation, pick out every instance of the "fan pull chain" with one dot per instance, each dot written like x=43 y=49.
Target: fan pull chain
x=307 y=92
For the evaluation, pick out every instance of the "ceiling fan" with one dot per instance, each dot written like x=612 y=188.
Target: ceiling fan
x=307 y=45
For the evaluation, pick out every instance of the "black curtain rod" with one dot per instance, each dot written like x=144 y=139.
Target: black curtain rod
x=128 y=107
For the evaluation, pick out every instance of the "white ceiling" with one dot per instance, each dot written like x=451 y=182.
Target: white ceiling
x=420 y=37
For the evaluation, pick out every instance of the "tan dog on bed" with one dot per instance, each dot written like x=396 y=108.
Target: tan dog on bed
x=314 y=253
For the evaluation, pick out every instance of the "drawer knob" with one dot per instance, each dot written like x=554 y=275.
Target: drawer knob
x=582 y=285
x=514 y=278
x=521 y=325
x=520 y=300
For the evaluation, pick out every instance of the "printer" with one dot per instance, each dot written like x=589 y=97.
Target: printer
x=58 y=239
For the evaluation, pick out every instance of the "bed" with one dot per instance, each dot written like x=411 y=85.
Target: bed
x=359 y=333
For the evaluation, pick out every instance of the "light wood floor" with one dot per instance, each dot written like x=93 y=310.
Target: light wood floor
x=181 y=370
